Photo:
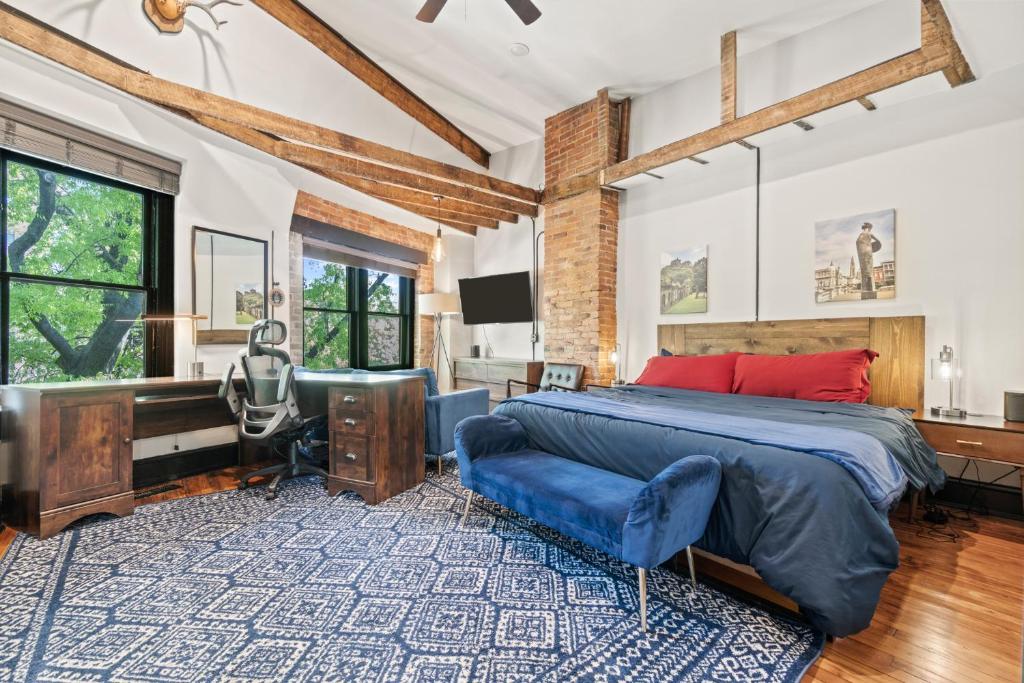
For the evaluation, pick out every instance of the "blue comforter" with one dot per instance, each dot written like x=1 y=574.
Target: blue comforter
x=803 y=520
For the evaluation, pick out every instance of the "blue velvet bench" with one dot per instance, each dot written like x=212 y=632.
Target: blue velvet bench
x=642 y=523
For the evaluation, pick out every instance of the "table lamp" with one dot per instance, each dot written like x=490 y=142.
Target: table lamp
x=439 y=304
x=616 y=356
x=944 y=368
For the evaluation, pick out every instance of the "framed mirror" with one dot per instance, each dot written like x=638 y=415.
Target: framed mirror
x=229 y=285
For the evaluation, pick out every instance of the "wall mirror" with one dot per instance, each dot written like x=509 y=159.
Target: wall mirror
x=229 y=285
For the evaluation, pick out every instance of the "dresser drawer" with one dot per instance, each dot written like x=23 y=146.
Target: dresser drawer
x=988 y=444
x=471 y=370
x=354 y=424
x=352 y=400
x=501 y=373
x=353 y=458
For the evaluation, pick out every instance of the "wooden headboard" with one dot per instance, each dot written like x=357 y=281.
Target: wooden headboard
x=897 y=375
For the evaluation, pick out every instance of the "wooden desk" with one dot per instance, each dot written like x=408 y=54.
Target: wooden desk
x=70 y=443
x=376 y=430
x=979 y=437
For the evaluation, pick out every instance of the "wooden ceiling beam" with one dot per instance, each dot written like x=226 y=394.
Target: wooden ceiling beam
x=319 y=158
x=308 y=25
x=880 y=77
x=47 y=41
x=423 y=200
x=729 y=77
x=446 y=214
x=937 y=34
x=349 y=171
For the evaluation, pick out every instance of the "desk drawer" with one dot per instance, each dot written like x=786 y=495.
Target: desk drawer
x=987 y=444
x=353 y=458
x=353 y=424
x=351 y=400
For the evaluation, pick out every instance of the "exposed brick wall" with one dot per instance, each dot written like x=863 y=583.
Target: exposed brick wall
x=581 y=241
x=324 y=211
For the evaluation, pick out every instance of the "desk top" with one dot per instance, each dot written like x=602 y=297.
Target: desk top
x=352 y=379
x=126 y=384
x=976 y=421
x=143 y=383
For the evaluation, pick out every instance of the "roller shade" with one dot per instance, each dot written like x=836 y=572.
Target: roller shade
x=347 y=247
x=44 y=137
x=346 y=256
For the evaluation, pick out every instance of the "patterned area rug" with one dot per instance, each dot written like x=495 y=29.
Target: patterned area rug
x=231 y=587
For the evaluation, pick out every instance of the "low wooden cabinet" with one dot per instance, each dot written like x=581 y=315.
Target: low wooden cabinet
x=376 y=435
x=493 y=374
x=72 y=457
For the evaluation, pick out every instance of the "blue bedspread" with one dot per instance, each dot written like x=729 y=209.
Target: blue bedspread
x=801 y=519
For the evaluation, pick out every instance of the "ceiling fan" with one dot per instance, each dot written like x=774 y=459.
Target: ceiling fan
x=524 y=9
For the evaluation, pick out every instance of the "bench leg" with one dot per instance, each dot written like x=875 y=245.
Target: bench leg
x=439 y=466
x=465 y=513
x=689 y=561
x=643 y=598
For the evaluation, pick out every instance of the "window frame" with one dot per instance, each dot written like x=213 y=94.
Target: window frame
x=157 y=267
x=356 y=285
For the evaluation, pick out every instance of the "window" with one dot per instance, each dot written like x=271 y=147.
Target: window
x=79 y=268
x=355 y=317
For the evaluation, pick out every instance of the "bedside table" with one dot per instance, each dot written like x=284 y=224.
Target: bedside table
x=978 y=437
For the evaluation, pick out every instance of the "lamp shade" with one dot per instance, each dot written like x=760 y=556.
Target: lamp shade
x=438 y=303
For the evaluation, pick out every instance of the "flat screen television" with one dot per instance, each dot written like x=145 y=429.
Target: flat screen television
x=504 y=298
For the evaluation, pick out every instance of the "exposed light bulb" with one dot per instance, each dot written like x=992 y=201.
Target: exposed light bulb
x=615 y=357
x=438 y=252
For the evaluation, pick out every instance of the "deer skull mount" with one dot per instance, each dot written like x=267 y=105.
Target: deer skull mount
x=169 y=15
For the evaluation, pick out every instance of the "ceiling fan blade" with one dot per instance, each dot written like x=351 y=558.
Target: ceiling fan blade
x=430 y=10
x=525 y=10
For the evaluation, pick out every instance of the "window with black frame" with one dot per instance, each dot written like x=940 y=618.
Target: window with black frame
x=79 y=269
x=355 y=317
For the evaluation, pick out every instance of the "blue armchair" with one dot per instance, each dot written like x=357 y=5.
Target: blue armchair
x=443 y=411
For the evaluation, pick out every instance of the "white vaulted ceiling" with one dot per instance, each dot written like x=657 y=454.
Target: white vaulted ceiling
x=462 y=66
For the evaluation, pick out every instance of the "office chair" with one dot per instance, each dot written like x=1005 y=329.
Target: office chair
x=269 y=411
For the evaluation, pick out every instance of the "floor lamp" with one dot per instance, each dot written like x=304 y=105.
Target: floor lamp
x=439 y=305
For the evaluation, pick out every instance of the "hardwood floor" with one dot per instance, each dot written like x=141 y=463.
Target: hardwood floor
x=951 y=612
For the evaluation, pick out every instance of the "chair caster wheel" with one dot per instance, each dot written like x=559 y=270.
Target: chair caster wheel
x=242 y=486
x=271 y=496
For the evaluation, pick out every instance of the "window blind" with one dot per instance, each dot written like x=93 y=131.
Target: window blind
x=347 y=256
x=44 y=137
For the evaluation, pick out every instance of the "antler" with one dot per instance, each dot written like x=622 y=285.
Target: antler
x=208 y=8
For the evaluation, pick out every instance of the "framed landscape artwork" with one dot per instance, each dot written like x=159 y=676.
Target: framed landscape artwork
x=684 y=281
x=855 y=258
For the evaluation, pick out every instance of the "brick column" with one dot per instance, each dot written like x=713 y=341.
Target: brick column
x=581 y=240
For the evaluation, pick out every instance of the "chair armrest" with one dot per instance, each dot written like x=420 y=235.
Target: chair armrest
x=444 y=412
x=671 y=512
x=509 y=382
x=483 y=435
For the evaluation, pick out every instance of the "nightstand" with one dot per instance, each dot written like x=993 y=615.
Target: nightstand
x=979 y=437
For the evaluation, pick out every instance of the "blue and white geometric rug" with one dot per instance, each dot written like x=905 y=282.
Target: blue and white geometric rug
x=229 y=586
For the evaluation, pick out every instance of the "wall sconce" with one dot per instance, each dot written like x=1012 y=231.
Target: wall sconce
x=615 y=358
x=944 y=368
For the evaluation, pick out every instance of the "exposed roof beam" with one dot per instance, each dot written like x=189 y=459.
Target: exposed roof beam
x=880 y=77
x=937 y=33
x=446 y=214
x=334 y=45
x=867 y=103
x=729 y=76
x=46 y=41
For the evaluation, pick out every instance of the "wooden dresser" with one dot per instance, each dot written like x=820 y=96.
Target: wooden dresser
x=70 y=444
x=979 y=437
x=376 y=431
x=493 y=374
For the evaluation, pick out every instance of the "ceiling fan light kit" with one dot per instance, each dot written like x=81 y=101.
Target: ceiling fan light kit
x=524 y=9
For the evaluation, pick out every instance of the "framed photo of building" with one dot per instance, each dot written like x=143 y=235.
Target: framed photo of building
x=684 y=281
x=855 y=258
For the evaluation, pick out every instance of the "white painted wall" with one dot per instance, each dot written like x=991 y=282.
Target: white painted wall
x=510 y=249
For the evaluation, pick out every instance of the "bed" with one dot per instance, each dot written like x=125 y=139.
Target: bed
x=806 y=486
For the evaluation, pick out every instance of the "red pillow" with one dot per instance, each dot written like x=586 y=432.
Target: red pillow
x=838 y=377
x=699 y=373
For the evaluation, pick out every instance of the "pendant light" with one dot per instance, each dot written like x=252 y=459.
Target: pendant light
x=437 y=253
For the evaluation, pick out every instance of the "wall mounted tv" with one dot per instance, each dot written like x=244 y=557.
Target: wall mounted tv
x=504 y=298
